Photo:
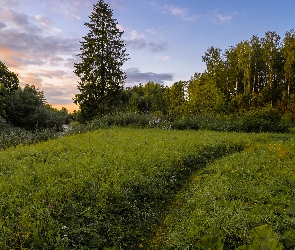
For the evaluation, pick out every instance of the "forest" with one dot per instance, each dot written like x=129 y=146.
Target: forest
x=253 y=74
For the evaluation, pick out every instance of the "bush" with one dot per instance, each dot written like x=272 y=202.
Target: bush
x=46 y=117
x=221 y=123
x=186 y=123
x=127 y=119
x=5 y=126
x=266 y=119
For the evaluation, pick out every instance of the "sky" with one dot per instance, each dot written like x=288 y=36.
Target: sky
x=165 y=39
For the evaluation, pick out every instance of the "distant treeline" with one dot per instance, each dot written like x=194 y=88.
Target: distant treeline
x=251 y=81
x=256 y=73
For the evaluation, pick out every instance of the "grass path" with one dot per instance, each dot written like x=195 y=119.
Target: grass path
x=112 y=188
x=243 y=200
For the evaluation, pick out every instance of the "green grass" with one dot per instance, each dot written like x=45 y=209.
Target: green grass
x=124 y=188
x=245 y=200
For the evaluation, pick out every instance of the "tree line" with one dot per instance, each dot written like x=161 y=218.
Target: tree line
x=255 y=73
x=26 y=107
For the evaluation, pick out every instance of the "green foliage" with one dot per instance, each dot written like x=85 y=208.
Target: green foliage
x=23 y=104
x=8 y=85
x=252 y=74
x=242 y=201
x=149 y=98
x=105 y=189
x=175 y=99
x=263 y=237
x=8 y=79
x=102 y=57
x=12 y=136
x=3 y=97
x=186 y=122
x=26 y=108
x=149 y=189
x=204 y=96
x=263 y=120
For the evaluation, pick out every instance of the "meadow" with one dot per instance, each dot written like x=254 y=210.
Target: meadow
x=127 y=188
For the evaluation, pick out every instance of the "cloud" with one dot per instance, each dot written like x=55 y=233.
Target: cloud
x=31 y=44
x=3 y=25
x=52 y=73
x=45 y=22
x=134 y=76
x=56 y=61
x=118 y=4
x=138 y=41
x=9 y=3
x=164 y=58
x=121 y=27
x=69 y=10
x=223 y=19
x=183 y=13
x=152 y=32
x=34 y=49
x=59 y=94
x=218 y=18
x=31 y=79
x=174 y=10
x=16 y=20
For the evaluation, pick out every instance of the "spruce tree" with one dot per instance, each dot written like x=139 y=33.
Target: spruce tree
x=102 y=56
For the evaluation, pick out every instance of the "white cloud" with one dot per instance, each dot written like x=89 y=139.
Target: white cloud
x=191 y=18
x=164 y=58
x=216 y=17
x=70 y=10
x=45 y=22
x=135 y=36
x=174 y=10
x=139 y=41
x=223 y=19
x=152 y=32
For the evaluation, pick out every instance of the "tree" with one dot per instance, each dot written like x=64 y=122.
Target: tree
x=27 y=108
x=23 y=104
x=289 y=57
x=8 y=85
x=103 y=54
x=8 y=79
x=175 y=98
x=203 y=94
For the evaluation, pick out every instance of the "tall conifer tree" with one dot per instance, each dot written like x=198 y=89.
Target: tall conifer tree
x=102 y=55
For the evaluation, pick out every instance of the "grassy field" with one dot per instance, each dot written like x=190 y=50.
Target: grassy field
x=124 y=188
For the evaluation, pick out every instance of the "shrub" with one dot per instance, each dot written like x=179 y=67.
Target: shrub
x=186 y=123
x=266 y=119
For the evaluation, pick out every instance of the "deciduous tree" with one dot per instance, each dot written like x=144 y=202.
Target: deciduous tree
x=8 y=85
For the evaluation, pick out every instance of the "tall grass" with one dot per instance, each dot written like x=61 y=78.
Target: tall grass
x=242 y=201
x=107 y=189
